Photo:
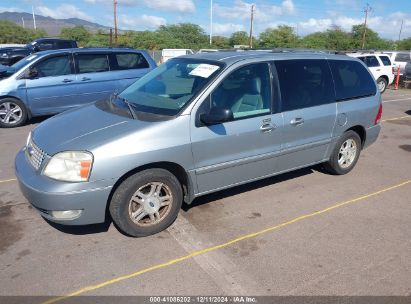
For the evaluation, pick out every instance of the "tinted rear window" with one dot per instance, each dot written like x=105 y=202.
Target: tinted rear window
x=126 y=61
x=64 y=44
x=370 y=61
x=385 y=60
x=304 y=83
x=352 y=80
x=402 y=57
x=92 y=63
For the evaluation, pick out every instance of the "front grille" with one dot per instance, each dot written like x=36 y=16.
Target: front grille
x=35 y=154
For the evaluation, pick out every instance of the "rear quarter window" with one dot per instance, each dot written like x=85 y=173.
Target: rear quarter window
x=385 y=60
x=127 y=61
x=352 y=80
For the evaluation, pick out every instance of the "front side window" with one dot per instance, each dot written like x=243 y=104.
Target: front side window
x=385 y=60
x=127 y=61
x=44 y=46
x=168 y=88
x=304 y=83
x=246 y=91
x=92 y=63
x=54 y=66
x=352 y=80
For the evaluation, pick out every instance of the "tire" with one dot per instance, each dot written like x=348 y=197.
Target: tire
x=13 y=113
x=382 y=84
x=336 y=164
x=137 y=207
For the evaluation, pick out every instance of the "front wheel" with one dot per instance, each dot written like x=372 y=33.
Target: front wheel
x=146 y=202
x=345 y=154
x=382 y=84
x=13 y=113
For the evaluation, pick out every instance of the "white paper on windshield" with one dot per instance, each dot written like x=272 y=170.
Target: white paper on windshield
x=204 y=70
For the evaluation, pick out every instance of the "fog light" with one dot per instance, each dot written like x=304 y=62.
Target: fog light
x=66 y=214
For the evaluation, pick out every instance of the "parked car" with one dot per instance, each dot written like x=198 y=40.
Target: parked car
x=380 y=66
x=10 y=55
x=51 y=82
x=407 y=71
x=167 y=54
x=195 y=125
x=399 y=59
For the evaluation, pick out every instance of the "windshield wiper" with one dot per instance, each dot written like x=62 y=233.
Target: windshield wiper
x=130 y=107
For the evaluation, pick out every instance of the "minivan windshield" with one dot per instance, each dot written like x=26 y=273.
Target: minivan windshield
x=171 y=86
x=22 y=63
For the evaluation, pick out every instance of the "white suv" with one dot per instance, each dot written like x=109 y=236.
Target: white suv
x=380 y=66
x=399 y=59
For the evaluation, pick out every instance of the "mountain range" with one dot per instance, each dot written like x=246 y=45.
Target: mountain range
x=50 y=25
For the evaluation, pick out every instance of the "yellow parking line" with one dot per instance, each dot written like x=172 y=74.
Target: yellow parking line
x=396 y=118
x=7 y=180
x=231 y=242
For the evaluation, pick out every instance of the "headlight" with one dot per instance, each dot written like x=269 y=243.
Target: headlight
x=70 y=166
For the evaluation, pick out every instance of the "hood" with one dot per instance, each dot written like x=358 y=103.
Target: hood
x=6 y=71
x=83 y=129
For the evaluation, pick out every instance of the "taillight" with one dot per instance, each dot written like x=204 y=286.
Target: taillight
x=379 y=114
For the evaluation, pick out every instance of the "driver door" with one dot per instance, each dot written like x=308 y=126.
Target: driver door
x=245 y=148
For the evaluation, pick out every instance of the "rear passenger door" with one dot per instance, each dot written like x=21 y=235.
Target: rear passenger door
x=309 y=111
x=94 y=80
x=128 y=67
x=373 y=65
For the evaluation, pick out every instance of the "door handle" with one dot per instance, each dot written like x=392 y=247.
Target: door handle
x=85 y=79
x=297 y=121
x=267 y=128
x=67 y=80
x=378 y=70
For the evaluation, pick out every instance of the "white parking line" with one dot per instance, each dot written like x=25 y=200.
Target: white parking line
x=389 y=100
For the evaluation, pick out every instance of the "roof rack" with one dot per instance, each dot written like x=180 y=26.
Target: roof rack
x=297 y=50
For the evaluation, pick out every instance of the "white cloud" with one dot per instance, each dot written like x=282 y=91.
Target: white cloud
x=8 y=9
x=63 y=11
x=263 y=13
x=226 y=28
x=181 y=6
x=143 y=22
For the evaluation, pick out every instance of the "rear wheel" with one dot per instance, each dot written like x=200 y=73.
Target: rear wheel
x=13 y=113
x=146 y=202
x=382 y=84
x=345 y=154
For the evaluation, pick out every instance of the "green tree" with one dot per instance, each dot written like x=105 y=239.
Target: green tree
x=13 y=33
x=338 y=39
x=283 y=36
x=78 y=33
x=316 y=40
x=372 y=39
x=239 y=38
x=190 y=35
x=404 y=44
x=220 y=42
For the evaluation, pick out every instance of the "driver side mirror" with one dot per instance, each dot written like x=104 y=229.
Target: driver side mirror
x=217 y=115
x=32 y=73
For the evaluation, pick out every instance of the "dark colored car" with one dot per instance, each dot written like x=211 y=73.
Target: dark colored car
x=10 y=55
x=408 y=71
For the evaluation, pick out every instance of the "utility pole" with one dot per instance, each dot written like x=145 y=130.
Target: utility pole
x=115 y=21
x=34 y=18
x=211 y=22
x=366 y=10
x=399 y=35
x=250 y=44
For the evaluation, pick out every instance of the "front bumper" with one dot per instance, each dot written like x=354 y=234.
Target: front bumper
x=48 y=195
x=371 y=135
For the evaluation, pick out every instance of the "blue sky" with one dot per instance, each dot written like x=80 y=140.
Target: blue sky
x=306 y=16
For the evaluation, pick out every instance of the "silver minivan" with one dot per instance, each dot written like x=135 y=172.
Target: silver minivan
x=195 y=125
